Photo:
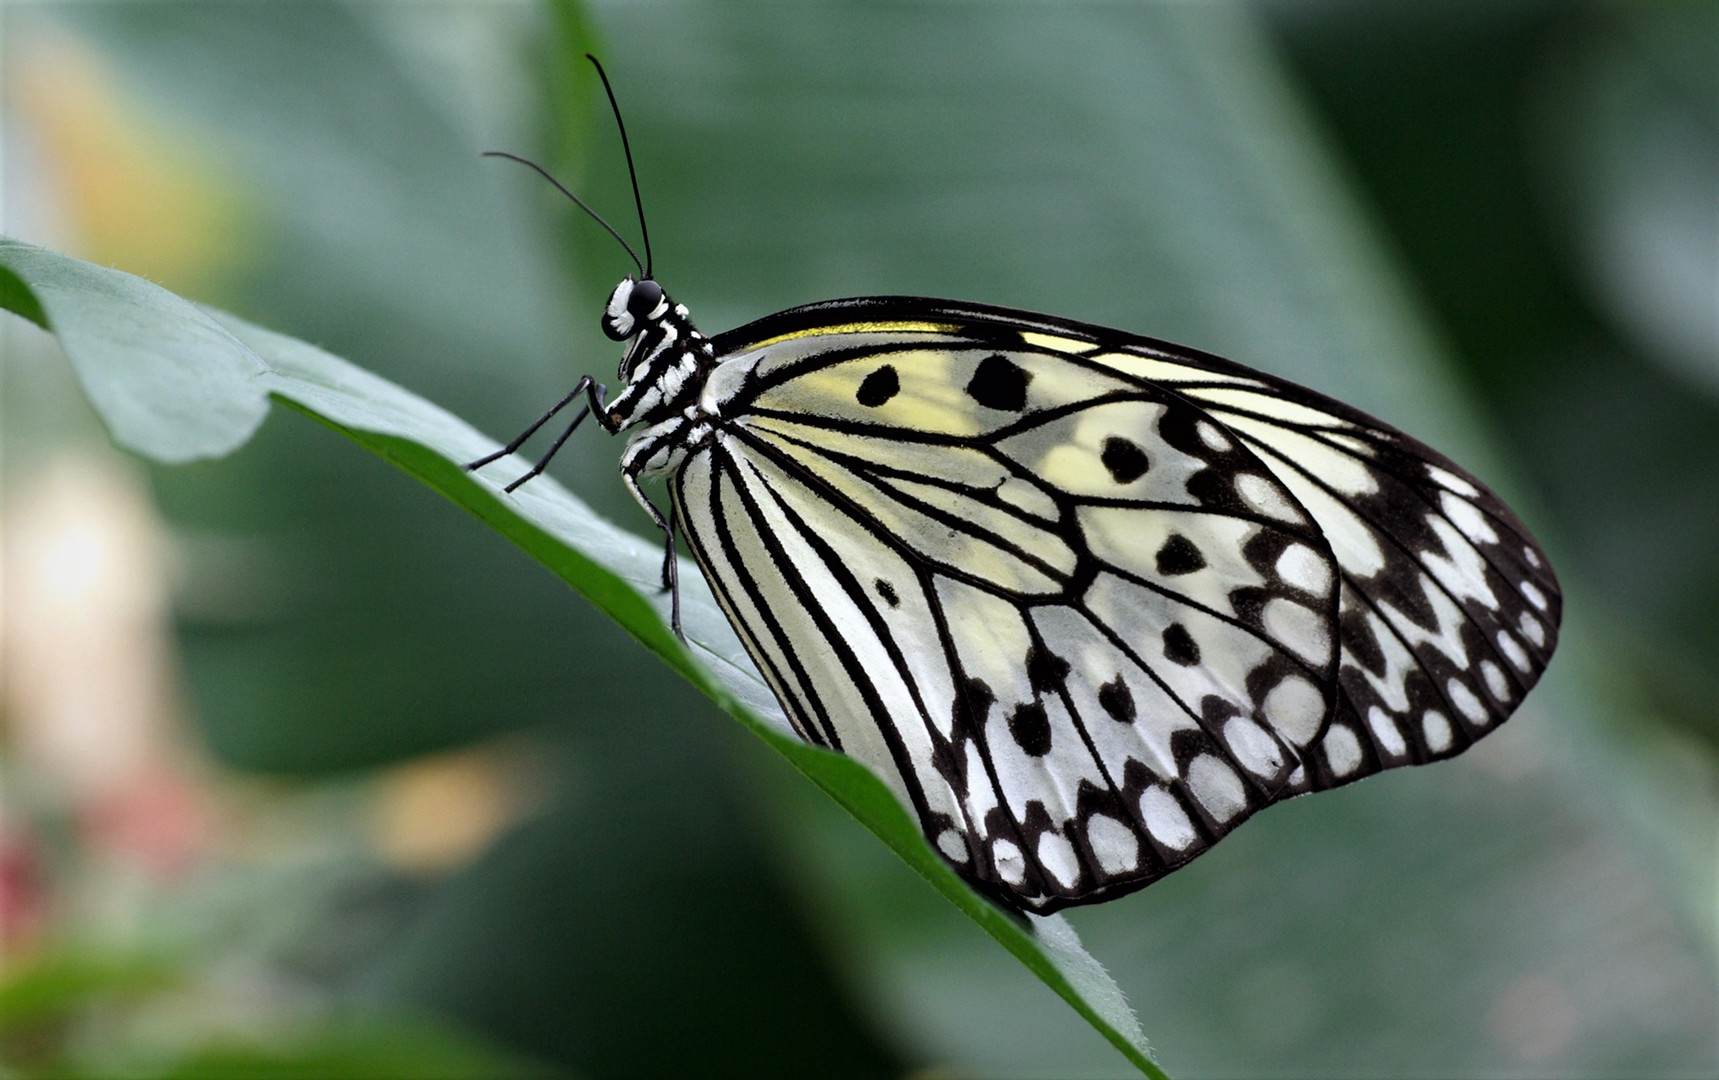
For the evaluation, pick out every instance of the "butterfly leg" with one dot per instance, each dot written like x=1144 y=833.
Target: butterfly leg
x=543 y=462
x=671 y=565
x=594 y=392
x=578 y=389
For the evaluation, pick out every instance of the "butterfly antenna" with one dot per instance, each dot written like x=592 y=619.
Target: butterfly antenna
x=626 y=147
x=577 y=201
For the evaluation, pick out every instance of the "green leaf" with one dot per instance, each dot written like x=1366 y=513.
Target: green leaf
x=168 y=381
x=148 y=358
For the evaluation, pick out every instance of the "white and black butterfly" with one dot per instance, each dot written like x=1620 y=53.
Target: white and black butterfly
x=1084 y=600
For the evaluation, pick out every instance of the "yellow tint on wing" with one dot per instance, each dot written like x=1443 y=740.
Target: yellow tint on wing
x=931 y=390
x=1055 y=343
x=898 y=327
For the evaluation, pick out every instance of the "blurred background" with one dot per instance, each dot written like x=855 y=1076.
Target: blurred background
x=307 y=773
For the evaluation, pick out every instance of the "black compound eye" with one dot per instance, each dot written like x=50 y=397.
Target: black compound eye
x=647 y=294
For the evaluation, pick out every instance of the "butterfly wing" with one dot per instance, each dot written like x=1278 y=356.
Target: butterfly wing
x=1449 y=609
x=1081 y=620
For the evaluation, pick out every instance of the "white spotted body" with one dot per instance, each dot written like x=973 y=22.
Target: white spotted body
x=664 y=369
x=1084 y=601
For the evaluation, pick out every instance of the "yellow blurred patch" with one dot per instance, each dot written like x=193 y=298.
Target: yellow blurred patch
x=138 y=195
x=437 y=813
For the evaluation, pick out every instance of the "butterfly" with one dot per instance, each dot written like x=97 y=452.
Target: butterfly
x=1084 y=600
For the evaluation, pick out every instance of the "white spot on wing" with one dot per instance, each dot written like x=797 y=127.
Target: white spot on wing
x=1270 y=404
x=1114 y=845
x=1435 y=728
x=1011 y=867
x=952 y=845
x=1165 y=819
x=1217 y=787
x=1465 y=516
x=1294 y=707
x=1056 y=855
x=1252 y=746
x=1465 y=701
x=1448 y=480
x=1513 y=649
x=1302 y=567
x=1495 y=680
x=1342 y=750
x=1055 y=343
x=1534 y=595
x=1384 y=729
x=1532 y=629
x=1447 y=638
x=1263 y=496
x=1212 y=437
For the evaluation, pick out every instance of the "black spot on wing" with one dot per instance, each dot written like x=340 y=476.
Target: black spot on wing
x=1125 y=460
x=878 y=387
x=887 y=591
x=972 y=705
x=1116 y=700
x=1045 y=670
x=1031 y=728
x=1179 y=556
x=1000 y=383
x=1180 y=646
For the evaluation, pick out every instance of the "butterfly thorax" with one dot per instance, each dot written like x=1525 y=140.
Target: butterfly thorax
x=666 y=360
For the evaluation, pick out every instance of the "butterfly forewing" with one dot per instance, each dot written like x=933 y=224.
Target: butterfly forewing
x=1080 y=628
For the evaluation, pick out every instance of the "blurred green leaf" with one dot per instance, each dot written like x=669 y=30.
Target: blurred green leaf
x=613 y=568
x=64 y=983
x=347 y=1049
x=62 y=980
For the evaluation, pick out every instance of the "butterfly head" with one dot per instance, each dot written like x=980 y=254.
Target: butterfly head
x=634 y=303
x=666 y=356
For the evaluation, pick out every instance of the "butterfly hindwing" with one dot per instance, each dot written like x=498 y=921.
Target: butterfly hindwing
x=1079 y=628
